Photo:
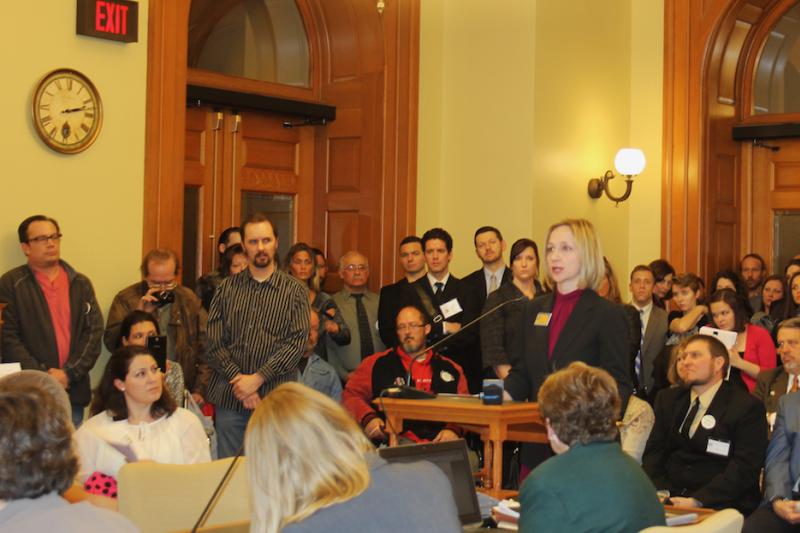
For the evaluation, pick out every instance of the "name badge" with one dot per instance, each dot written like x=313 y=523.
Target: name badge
x=542 y=319
x=719 y=447
x=450 y=308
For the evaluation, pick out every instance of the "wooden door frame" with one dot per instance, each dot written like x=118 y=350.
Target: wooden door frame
x=707 y=48
x=167 y=76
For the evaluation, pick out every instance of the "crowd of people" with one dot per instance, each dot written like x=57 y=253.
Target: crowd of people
x=698 y=384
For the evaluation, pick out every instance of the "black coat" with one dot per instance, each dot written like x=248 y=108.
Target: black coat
x=682 y=465
x=390 y=301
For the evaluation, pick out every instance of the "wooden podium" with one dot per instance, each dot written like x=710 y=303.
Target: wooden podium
x=512 y=421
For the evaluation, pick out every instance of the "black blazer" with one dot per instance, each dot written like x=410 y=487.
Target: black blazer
x=476 y=282
x=596 y=333
x=682 y=465
x=390 y=301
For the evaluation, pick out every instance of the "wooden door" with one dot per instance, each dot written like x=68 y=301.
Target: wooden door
x=776 y=199
x=237 y=163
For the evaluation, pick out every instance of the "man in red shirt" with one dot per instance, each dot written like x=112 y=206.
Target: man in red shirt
x=51 y=321
x=431 y=372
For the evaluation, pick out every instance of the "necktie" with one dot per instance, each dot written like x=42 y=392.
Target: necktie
x=638 y=361
x=689 y=418
x=793 y=387
x=364 y=331
x=439 y=288
x=492 y=283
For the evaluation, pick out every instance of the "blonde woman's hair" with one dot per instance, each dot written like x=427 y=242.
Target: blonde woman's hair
x=304 y=452
x=591 y=253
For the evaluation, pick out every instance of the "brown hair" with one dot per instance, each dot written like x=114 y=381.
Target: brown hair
x=159 y=255
x=614 y=294
x=672 y=370
x=582 y=404
x=715 y=347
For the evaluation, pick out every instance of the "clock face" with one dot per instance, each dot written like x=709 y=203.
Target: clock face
x=67 y=111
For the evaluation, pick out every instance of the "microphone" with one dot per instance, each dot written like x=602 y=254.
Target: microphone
x=215 y=496
x=407 y=392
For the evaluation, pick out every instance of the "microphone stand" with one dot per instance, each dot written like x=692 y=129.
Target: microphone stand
x=407 y=392
x=213 y=500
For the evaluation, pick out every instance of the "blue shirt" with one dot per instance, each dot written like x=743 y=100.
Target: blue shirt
x=321 y=376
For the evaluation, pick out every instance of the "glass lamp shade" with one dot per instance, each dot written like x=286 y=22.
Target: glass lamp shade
x=629 y=161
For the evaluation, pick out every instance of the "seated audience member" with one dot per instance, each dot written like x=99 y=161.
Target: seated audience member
x=791 y=306
x=654 y=328
x=359 y=308
x=779 y=511
x=38 y=464
x=133 y=419
x=412 y=261
x=312 y=470
x=662 y=288
x=207 y=284
x=708 y=444
x=301 y=265
x=431 y=372
x=135 y=329
x=754 y=350
x=753 y=270
x=668 y=369
x=314 y=371
x=772 y=292
x=180 y=316
x=728 y=279
x=499 y=330
x=691 y=314
x=590 y=485
x=773 y=383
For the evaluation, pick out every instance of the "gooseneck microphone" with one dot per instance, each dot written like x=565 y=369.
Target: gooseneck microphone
x=407 y=392
x=215 y=496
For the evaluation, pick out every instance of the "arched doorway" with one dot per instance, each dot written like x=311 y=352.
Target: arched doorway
x=713 y=201
x=363 y=164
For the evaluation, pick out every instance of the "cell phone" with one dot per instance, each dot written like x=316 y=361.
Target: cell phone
x=157 y=346
x=728 y=338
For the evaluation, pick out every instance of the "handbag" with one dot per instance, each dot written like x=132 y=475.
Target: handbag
x=206 y=421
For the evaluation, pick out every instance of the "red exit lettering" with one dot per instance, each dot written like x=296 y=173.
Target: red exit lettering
x=111 y=18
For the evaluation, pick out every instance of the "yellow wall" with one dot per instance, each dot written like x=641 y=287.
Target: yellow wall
x=522 y=102
x=96 y=196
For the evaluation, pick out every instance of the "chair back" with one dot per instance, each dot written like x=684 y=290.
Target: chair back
x=159 y=498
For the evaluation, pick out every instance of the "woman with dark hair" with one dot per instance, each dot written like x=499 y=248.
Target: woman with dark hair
x=232 y=261
x=754 y=350
x=133 y=419
x=134 y=330
x=791 y=307
x=728 y=279
x=498 y=330
x=301 y=264
x=773 y=291
x=662 y=288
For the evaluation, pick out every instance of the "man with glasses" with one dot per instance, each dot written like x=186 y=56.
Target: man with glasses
x=430 y=372
x=51 y=321
x=179 y=312
x=359 y=308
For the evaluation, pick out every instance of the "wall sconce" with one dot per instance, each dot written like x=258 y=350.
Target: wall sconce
x=629 y=162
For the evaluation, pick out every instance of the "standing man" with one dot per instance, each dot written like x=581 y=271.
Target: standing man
x=412 y=261
x=51 y=321
x=180 y=316
x=449 y=305
x=753 y=270
x=257 y=329
x=489 y=246
x=359 y=308
x=708 y=443
x=775 y=382
x=654 y=327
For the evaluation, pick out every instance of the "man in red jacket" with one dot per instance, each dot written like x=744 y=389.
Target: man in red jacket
x=431 y=372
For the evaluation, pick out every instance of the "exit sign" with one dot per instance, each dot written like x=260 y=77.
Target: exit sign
x=117 y=20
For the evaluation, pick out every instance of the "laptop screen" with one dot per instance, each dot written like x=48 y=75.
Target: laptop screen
x=451 y=457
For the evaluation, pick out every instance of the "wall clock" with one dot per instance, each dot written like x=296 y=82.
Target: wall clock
x=67 y=111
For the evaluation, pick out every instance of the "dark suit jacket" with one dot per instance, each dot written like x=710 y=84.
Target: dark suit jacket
x=463 y=348
x=476 y=282
x=391 y=300
x=770 y=386
x=655 y=338
x=783 y=454
x=682 y=465
x=596 y=333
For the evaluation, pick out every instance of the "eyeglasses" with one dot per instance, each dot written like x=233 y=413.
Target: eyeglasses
x=403 y=327
x=352 y=268
x=162 y=285
x=42 y=239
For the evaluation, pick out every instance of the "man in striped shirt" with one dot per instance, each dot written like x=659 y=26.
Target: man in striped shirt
x=257 y=331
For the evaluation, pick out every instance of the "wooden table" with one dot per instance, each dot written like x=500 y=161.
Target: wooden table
x=512 y=421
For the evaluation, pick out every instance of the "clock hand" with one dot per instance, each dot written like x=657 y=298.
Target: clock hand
x=74 y=109
x=65 y=131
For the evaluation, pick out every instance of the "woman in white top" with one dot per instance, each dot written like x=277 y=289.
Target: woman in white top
x=133 y=420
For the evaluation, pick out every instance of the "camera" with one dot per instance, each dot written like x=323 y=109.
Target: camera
x=164 y=298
